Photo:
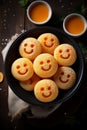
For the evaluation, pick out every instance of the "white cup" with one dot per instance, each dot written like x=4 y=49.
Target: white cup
x=39 y=13
x=75 y=24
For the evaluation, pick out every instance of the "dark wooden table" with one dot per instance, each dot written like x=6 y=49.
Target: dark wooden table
x=13 y=20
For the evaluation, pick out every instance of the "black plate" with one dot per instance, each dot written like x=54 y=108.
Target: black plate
x=13 y=54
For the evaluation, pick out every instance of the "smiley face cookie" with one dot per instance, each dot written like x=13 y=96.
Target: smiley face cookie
x=46 y=90
x=30 y=48
x=65 y=77
x=22 y=69
x=45 y=65
x=29 y=84
x=49 y=42
x=65 y=54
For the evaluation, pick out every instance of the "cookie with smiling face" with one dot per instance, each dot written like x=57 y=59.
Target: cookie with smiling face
x=30 y=48
x=45 y=65
x=29 y=84
x=46 y=90
x=65 y=54
x=22 y=69
x=49 y=42
x=65 y=77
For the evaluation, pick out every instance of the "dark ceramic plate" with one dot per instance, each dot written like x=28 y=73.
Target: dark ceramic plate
x=13 y=54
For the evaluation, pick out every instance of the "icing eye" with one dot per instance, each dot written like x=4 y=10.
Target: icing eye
x=45 y=38
x=49 y=88
x=48 y=61
x=25 y=65
x=68 y=76
x=44 y=42
x=67 y=50
x=60 y=51
x=41 y=62
x=25 y=44
x=32 y=45
x=52 y=39
x=18 y=66
x=42 y=89
x=62 y=73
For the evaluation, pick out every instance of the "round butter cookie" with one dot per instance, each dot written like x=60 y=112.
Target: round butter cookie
x=65 y=77
x=22 y=69
x=45 y=65
x=49 y=42
x=1 y=77
x=30 y=48
x=65 y=54
x=46 y=90
x=29 y=84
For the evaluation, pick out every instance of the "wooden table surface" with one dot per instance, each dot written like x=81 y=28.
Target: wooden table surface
x=13 y=20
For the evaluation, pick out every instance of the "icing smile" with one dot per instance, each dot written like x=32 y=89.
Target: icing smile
x=65 y=57
x=46 y=95
x=28 y=52
x=48 y=45
x=63 y=81
x=46 y=69
x=23 y=73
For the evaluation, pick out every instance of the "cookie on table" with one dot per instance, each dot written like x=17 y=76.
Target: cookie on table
x=1 y=77
x=30 y=48
x=65 y=54
x=65 y=77
x=29 y=84
x=46 y=90
x=22 y=69
x=45 y=65
x=49 y=42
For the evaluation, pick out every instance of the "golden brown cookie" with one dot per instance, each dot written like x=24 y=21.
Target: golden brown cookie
x=46 y=90
x=22 y=69
x=45 y=65
x=30 y=83
x=65 y=77
x=65 y=54
x=1 y=77
x=30 y=48
x=49 y=42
